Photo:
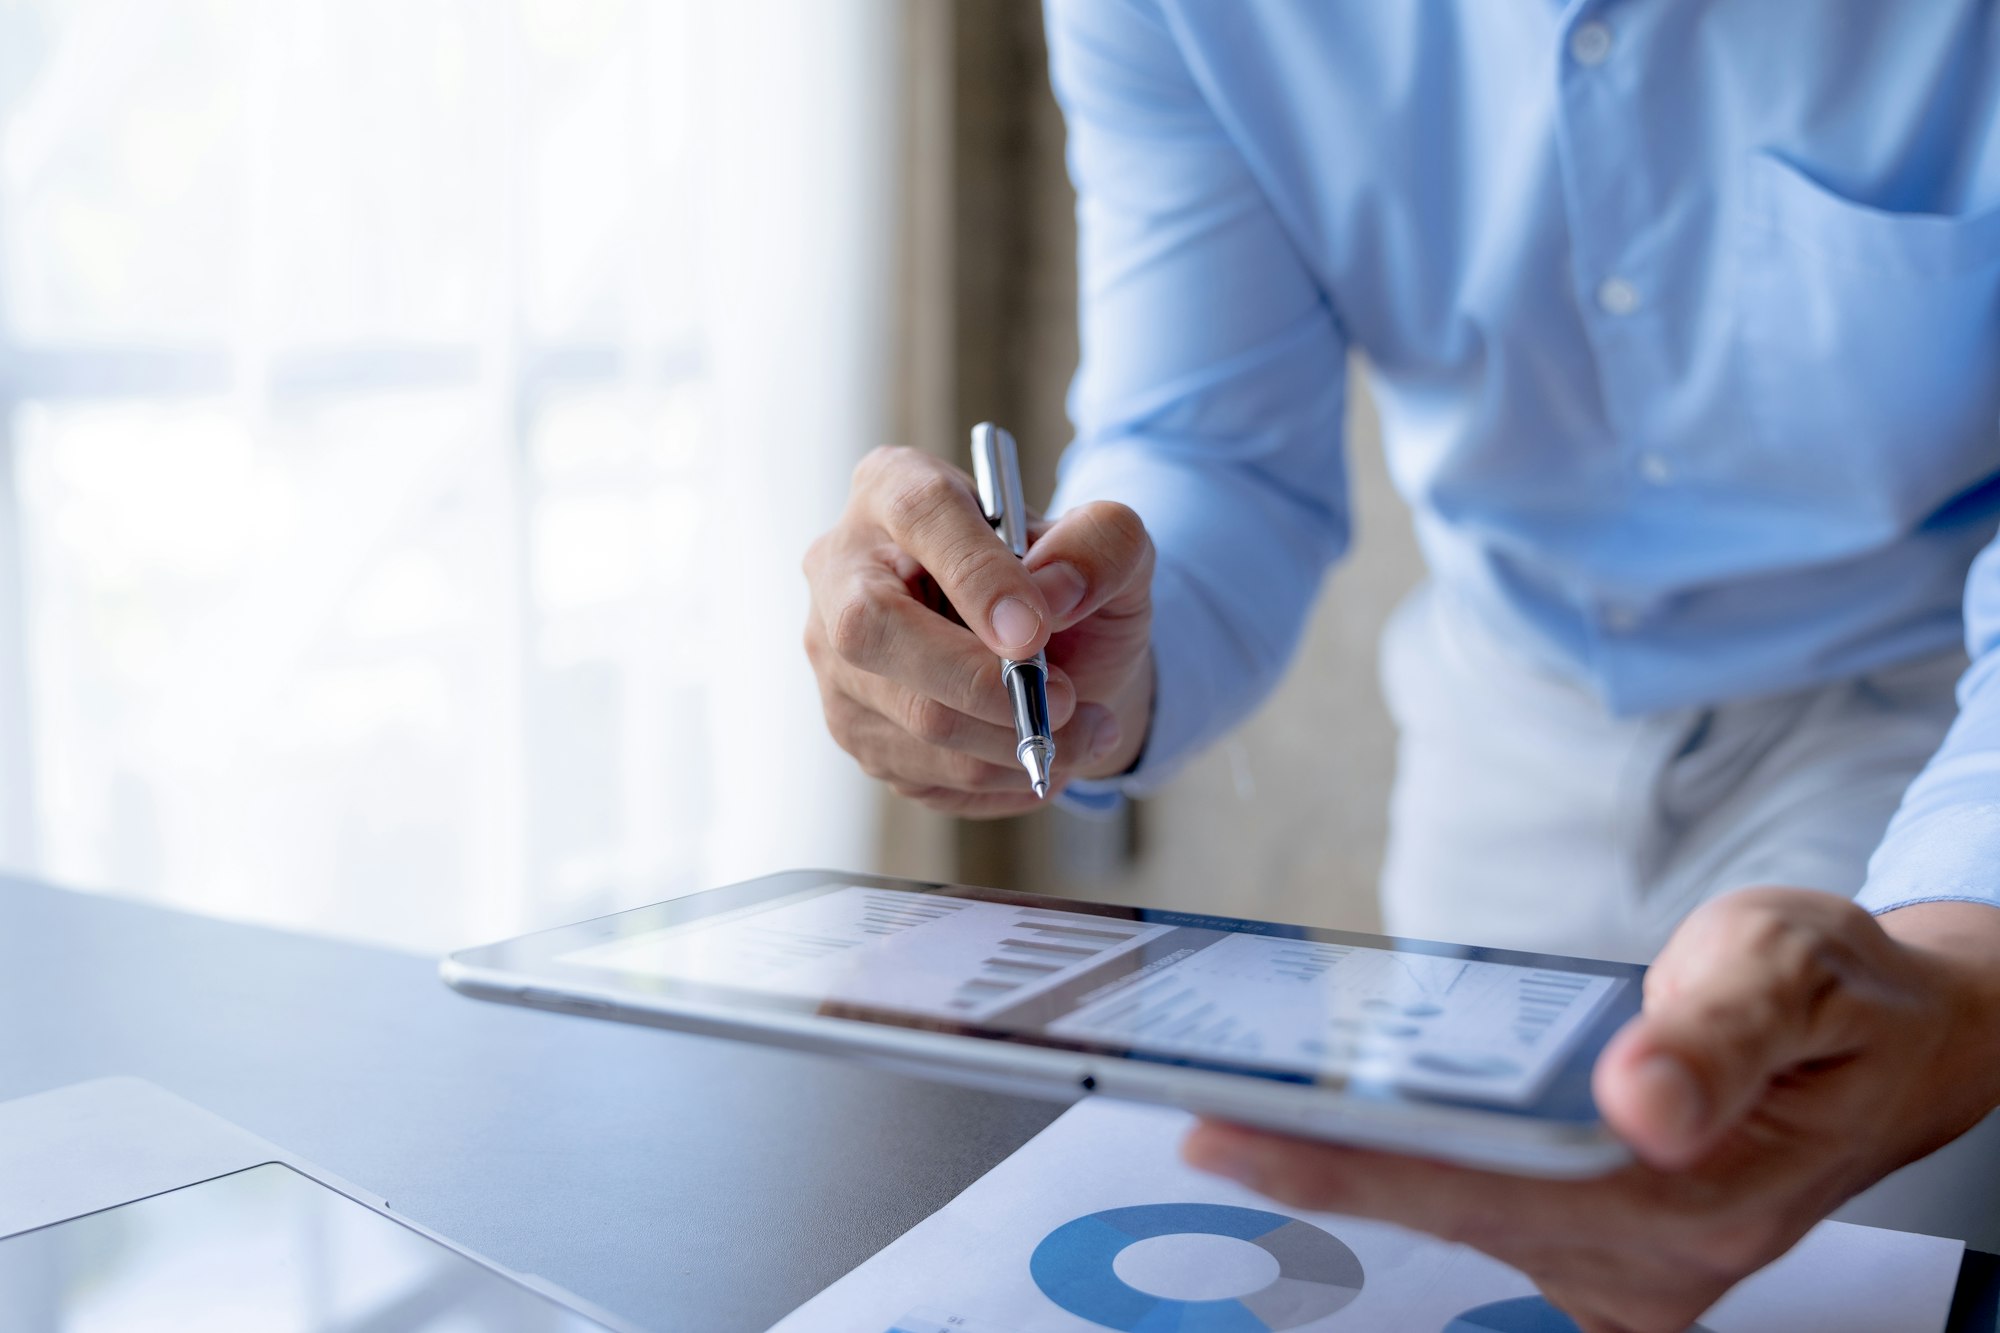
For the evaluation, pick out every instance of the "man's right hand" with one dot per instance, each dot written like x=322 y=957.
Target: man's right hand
x=914 y=601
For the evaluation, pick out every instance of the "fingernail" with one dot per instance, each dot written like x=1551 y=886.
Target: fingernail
x=1106 y=739
x=1668 y=1086
x=1015 y=623
x=1062 y=586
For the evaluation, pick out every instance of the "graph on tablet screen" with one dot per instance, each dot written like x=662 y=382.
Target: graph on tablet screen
x=1418 y=1020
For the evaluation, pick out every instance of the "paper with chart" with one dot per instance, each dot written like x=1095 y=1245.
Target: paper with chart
x=1096 y=1225
x=1269 y=998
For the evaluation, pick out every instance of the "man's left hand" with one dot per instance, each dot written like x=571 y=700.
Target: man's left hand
x=1792 y=1050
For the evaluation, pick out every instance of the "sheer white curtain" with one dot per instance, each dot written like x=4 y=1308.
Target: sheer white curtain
x=414 y=412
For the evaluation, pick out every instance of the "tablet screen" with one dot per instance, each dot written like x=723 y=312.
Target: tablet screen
x=1315 y=1005
x=266 y=1249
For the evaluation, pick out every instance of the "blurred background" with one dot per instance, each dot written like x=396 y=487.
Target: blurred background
x=412 y=415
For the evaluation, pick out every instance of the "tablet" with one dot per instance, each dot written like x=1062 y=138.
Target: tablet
x=123 y=1207
x=1479 y=1056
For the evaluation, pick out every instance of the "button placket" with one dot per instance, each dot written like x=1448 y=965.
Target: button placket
x=1590 y=43
x=1616 y=296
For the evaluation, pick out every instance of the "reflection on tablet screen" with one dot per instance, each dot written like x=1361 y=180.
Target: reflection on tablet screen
x=1267 y=998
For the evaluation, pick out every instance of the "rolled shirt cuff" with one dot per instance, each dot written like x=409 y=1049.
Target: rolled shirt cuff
x=1948 y=855
x=1208 y=666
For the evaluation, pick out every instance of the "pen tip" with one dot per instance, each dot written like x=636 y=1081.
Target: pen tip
x=1038 y=756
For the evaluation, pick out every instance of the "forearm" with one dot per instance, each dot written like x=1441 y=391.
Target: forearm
x=1240 y=556
x=1210 y=394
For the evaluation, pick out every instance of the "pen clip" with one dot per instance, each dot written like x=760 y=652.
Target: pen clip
x=996 y=472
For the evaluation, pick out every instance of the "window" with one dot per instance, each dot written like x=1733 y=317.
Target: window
x=414 y=415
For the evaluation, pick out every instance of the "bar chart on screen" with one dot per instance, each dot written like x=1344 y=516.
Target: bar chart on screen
x=948 y=957
x=1044 y=946
x=1420 y=1020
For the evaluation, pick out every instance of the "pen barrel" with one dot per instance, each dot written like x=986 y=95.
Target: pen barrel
x=1028 y=688
x=996 y=475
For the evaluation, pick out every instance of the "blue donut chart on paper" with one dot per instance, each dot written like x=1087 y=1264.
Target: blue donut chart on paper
x=1317 y=1273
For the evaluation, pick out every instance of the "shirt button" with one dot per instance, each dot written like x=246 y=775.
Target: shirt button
x=1615 y=296
x=1655 y=469
x=1590 y=43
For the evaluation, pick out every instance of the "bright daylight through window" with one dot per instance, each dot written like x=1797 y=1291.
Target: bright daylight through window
x=364 y=397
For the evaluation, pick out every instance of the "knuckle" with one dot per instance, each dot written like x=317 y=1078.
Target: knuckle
x=1789 y=951
x=1762 y=924
x=857 y=629
x=975 y=681
x=881 y=461
x=916 y=502
x=978 y=566
x=1795 y=955
x=930 y=721
x=1122 y=528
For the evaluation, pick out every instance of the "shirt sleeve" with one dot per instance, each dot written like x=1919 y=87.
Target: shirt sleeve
x=1213 y=376
x=1944 y=843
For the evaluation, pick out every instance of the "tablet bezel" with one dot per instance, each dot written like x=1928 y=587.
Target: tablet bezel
x=533 y=969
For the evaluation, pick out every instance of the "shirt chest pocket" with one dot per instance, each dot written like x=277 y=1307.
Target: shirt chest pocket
x=1870 y=343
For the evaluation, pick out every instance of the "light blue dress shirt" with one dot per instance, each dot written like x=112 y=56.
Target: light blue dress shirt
x=1683 y=320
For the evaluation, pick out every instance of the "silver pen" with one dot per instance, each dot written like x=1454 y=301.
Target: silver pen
x=996 y=469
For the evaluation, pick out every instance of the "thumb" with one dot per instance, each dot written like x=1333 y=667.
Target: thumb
x=1095 y=558
x=1653 y=1099
x=1750 y=988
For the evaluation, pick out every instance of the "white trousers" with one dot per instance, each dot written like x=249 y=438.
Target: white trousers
x=1525 y=816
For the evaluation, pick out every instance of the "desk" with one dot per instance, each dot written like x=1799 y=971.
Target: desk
x=680 y=1182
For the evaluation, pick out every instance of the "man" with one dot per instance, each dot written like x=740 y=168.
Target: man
x=1684 y=323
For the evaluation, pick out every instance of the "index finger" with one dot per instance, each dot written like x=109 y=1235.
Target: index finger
x=1454 y=1202
x=877 y=627
x=929 y=510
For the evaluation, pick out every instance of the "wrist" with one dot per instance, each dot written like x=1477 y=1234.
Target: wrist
x=1957 y=947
